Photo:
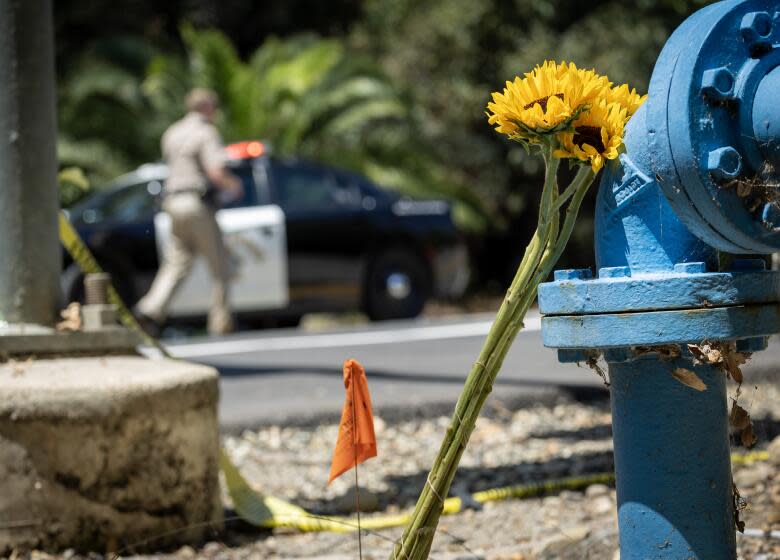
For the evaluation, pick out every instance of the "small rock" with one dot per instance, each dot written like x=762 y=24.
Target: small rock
x=211 y=549
x=186 y=552
x=555 y=547
x=595 y=490
x=602 y=504
x=774 y=451
x=755 y=474
x=347 y=503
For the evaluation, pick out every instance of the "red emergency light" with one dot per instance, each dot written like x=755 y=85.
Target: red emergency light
x=243 y=150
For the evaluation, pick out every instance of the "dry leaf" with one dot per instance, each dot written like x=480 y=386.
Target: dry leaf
x=698 y=354
x=739 y=506
x=593 y=363
x=71 y=318
x=732 y=360
x=739 y=417
x=689 y=378
x=722 y=353
x=748 y=436
x=706 y=353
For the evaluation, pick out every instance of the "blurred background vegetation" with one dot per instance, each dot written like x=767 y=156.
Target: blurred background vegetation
x=394 y=89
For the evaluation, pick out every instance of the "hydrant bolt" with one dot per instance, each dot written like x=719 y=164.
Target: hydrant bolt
x=770 y=215
x=756 y=30
x=573 y=274
x=691 y=268
x=717 y=84
x=573 y=356
x=96 y=288
x=724 y=163
x=614 y=272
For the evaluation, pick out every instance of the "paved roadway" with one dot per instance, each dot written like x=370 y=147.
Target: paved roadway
x=292 y=376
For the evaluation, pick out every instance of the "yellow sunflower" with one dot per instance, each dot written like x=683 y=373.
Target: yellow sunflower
x=598 y=135
x=629 y=99
x=544 y=101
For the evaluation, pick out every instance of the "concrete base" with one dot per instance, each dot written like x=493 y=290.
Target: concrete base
x=108 y=453
x=34 y=340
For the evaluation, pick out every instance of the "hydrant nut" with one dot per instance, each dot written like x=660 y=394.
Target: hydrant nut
x=573 y=356
x=770 y=215
x=717 y=83
x=724 y=163
x=614 y=272
x=756 y=29
x=572 y=274
x=691 y=267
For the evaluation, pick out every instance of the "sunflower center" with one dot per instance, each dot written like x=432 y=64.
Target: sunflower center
x=589 y=135
x=543 y=101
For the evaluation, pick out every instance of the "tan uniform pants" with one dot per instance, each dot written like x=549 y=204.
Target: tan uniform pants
x=194 y=231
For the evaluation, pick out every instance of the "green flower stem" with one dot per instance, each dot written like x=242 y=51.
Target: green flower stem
x=539 y=240
x=429 y=504
x=568 y=193
x=539 y=258
x=583 y=180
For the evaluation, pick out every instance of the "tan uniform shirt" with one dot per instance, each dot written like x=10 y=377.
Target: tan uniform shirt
x=190 y=146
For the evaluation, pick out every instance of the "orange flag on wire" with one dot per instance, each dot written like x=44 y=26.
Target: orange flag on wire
x=356 y=441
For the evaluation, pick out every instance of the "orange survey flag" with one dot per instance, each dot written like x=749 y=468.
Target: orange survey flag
x=356 y=441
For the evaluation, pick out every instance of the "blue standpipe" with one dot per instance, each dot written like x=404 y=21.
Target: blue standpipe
x=692 y=191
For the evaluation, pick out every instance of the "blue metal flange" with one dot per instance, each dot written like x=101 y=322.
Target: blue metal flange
x=654 y=328
x=712 y=90
x=647 y=292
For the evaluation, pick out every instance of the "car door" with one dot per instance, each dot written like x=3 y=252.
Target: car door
x=326 y=234
x=256 y=241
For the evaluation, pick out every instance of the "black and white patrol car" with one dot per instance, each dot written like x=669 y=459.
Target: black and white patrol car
x=303 y=238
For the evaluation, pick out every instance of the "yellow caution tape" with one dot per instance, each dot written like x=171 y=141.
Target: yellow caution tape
x=749 y=458
x=82 y=256
x=269 y=512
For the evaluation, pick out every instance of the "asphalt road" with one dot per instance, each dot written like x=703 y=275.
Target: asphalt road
x=291 y=376
x=288 y=376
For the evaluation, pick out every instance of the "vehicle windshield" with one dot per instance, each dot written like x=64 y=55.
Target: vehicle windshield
x=131 y=203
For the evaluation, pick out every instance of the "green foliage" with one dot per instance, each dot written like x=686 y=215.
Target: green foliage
x=105 y=122
x=73 y=185
x=451 y=54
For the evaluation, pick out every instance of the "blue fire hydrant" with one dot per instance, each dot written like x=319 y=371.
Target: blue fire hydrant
x=700 y=181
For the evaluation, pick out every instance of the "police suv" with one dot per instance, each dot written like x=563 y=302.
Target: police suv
x=303 y=238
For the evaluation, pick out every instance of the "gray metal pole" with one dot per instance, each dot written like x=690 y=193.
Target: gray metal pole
x=30 y=254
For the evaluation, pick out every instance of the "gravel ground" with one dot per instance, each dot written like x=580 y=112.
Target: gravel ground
x=531 y=444
x=509 y=447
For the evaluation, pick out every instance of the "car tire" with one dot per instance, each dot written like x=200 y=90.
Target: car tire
x=397 y=286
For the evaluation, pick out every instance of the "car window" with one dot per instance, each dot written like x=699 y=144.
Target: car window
x=347 y=192
x=134 y=203
x=308 y=188
x=249 y=196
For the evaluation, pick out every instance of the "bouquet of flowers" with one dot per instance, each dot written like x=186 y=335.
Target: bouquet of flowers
x=560 y=112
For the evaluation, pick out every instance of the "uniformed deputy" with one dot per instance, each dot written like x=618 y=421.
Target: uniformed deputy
x=196 y=160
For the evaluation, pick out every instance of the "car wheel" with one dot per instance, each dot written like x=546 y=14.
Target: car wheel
x=397 y=287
